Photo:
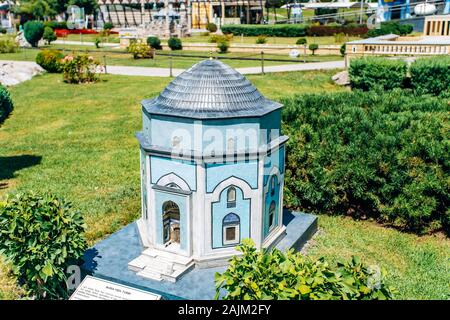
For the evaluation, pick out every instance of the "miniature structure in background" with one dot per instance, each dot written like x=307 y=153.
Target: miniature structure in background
x=434 y=41
x=212 y=170
x=5 y=15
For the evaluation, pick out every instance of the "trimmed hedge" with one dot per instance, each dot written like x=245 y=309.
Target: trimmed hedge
x=33 y=31
x=276 y=30
x=391 y=27
x=175 y=43
x=431 y=75
x=6 y=104
x=320 y=31
x=370 y=154
x=368 y=73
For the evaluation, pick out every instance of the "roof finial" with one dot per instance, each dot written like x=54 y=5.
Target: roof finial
x=210 y=55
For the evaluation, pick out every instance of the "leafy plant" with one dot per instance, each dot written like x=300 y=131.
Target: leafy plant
x=389 y=27
x=50 y=60
x=368 y=73
x=108 y=26
x=313 y=47
x=49 y=35
x=154 y=42
x=6 y=104
x=261 y=39
x=97 y=42
x=276 y=30
x=431 y=75
x=140 y=50
x=41 y=235
x=80 y=69
x=301 y=41
x=211 y=27
x=274 y=275
x=342 y=49
x=8 y=45
x=175 y=43
x=223 y=46
x=376 y=154
x=33 y=31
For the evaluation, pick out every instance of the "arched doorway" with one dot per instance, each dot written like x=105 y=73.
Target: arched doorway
x=171 y=223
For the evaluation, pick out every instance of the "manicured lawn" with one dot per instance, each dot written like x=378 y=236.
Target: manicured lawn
x=78 y=141
x=121 y=58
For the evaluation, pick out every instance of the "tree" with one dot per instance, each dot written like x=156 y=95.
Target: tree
x=35 y=9
x=313 y=47
x=6 y=104
x=49 y=35
x=33 y=31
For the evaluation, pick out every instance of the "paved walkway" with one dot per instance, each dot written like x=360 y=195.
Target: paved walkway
x=165 y=72
x=79 y=43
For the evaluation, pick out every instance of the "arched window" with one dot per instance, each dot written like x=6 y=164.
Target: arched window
x=171 y=222
x=272 y=185
x=176 y=141
x=231 y=146
x=173 y=185
x=231 y=197
x=272 y=215
x=231 y=229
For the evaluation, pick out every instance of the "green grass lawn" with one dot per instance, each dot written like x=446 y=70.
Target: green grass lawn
x=121 y=58
x=78 y=141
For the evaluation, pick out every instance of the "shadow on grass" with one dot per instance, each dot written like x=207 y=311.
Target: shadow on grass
x=10 y=165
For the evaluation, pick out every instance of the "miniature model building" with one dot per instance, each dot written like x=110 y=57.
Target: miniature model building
x=212 y=169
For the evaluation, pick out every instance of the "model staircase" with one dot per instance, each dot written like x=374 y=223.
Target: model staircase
x=160 y=265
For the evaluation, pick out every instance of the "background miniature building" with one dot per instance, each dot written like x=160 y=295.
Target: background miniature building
x=212 y=169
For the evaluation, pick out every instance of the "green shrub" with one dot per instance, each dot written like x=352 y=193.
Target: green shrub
x=342 y=49
x=6 y=104
x=261 y=39
x=80 y=69
x=391 y=27
x=382 y=155
x=175 y=43
x=140 y=50
x=431 y=75
x=211 y=27
x=56 y=24
x=216 y=38
x=301 y=41
x=33 y=31
x=49 y=35
x=108 y=26
x=276 y=275
x=8 y=45
x=154 y=42
x=50 y=60
x=276 y=30
x=2 y=30
x=368 y=73
x=97 y=42
x=223 y=46
x=41 y=236
x=313 y=47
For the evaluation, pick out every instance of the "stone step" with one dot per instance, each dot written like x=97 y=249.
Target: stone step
x=167 y=256
x=149 y=273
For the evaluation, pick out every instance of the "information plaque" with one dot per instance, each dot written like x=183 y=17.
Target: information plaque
x=92 y=288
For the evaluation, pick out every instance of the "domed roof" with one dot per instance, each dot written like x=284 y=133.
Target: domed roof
x=209 y=90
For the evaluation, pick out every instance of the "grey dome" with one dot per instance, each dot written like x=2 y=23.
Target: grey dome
x=210 y=89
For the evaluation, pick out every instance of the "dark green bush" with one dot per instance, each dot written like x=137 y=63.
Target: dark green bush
x=223 y=46
x=384 y=155
x=175 y=43
x=6 y=104
x=368 y=73
x=108 y=26
x=41 y=236
x=211 y=27
x=2 y=30
x=154 y=42
x=301 y=41
x=33 y=31
x=431 y=75
x=391 y=27
x=342 y=49
x=276 y=275
x=276 y=30
x=49 y=35
x=50 y=60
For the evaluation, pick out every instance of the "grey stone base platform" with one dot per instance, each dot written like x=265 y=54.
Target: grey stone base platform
x=109 y=259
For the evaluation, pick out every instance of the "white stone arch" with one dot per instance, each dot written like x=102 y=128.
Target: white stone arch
x=231 y=181
x=173 y=178
x=274 y=171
